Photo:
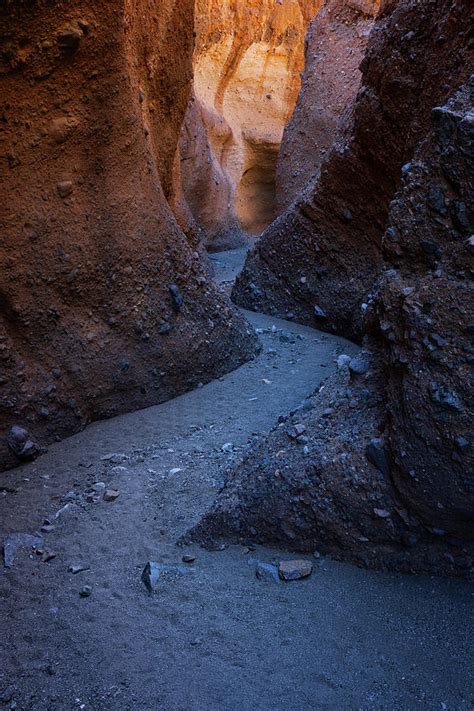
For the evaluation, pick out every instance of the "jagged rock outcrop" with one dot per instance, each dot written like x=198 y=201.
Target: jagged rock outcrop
x=247 y=64
x=320 y=259
x=104 y=304
x=335 y=46
x=377 y=467
x=423 y=323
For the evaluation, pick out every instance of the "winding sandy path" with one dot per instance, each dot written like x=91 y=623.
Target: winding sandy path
x=217 y=639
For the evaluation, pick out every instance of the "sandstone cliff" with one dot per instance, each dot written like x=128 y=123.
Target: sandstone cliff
x=247 y=66
x=335 y=47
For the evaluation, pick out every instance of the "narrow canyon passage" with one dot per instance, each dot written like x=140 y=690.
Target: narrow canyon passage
x=214 y=636
x=236 y=350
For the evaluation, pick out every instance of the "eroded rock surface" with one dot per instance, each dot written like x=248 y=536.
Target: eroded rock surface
x=247 y=66
x=91 y=324
x=320 y=259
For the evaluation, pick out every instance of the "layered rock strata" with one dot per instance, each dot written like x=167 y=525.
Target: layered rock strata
x=247 y=66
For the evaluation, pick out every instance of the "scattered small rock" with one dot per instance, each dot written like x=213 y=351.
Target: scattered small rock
x=294 y=569
x=13 y=542
x=47 y=556
x=176 y=296
x=47 y=528
x=320 y=314
x=358 y=366
x=382 y=513
x=188 y=558
x=111 y=494
x=343 y=361
x=64 y=188
x=153 y=571
x=376 y=455
x=21 y=444
x=264 y=571
x=75 y=569
x=86 y=591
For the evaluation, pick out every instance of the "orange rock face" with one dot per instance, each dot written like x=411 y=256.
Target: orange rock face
x=91 y=110
x=247 y=64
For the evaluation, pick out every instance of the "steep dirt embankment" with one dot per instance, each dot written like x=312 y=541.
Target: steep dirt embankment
x=247 y=66
x=335 y=46
x=321 y=257
x=104 y=304
x=378 y=466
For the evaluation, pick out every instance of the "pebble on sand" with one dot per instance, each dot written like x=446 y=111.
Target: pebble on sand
x=294 y=569
x=111 y=494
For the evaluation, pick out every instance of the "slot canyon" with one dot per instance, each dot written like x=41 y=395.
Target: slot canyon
x=236 y=350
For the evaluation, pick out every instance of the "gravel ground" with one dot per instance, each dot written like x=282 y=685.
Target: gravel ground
x=217 y=638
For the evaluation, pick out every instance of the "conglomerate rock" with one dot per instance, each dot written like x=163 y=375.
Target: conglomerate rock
x=320 y=259
x=422 y=326
x=104 y=305
x=378 y=466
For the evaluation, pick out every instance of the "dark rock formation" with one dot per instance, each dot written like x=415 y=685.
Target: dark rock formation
x=93 y=98
x=423 y=322
x=382 y=470
x=321 y=258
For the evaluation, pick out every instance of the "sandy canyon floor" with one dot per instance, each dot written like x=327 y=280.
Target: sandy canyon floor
x=216 y=638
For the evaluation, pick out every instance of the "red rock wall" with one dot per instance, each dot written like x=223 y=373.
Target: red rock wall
x=93 y=97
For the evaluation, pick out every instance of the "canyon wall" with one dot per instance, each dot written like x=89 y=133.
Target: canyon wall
x=319 y=260
x=247 y=64
x=377 y=467
x=105 y=305
x=335 y=47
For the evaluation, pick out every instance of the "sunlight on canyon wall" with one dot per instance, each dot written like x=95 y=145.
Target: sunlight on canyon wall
x=248 y=59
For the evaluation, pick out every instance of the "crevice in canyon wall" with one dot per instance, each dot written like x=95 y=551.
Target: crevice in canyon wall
x=106 y=305
x=247 y=65
x=320 y=259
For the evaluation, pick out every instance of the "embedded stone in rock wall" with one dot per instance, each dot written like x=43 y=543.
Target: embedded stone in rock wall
x=325 y=250
x=89 y=246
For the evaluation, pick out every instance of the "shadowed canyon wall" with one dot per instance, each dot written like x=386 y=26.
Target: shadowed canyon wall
x=247 y=64
x=377 y=467
x=104 y=304
x=319 y=260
